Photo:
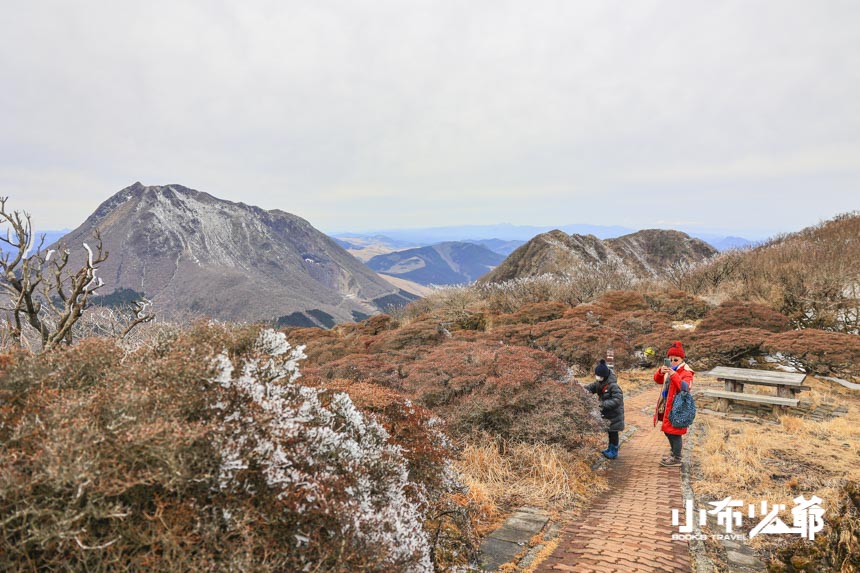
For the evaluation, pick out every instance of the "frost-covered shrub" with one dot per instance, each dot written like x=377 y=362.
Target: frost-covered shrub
x=207 y=455
x=316 y=453
x=452 y=514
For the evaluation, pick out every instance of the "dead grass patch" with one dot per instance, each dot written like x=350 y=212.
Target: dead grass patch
x=778 y=462
x=547 y=476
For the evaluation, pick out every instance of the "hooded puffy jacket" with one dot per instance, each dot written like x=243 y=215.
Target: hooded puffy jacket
x=611 y=401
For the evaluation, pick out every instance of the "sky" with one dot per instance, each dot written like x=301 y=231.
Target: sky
x=740 y=117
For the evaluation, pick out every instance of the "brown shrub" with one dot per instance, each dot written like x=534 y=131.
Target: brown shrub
x=424 y=332
x=515 y=393
x=623 y=300
x=818 y=352
x=532 y=314
x=658 y=340
x=677 y=304
x=706 y=350
x=589 y=313
x=572 y=340
x=324 y=345
x=741 y=314
x=636 y=323
x=384 y=369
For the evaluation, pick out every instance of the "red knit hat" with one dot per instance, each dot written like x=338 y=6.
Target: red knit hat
x=676 y=350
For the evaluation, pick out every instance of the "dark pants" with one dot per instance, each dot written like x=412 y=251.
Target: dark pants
x=613 y=438
x=676 y=442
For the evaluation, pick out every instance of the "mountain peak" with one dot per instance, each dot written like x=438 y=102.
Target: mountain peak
x=190 y=251
x=645 y=253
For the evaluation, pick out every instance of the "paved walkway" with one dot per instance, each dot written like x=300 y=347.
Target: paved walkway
x=628 y=528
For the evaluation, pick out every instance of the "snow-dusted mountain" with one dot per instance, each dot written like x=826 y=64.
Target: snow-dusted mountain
x=191 y=252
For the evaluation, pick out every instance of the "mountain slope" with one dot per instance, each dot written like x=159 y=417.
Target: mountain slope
x=644 y=254
x=191 y=252
x=651 y=252
x=445 y=263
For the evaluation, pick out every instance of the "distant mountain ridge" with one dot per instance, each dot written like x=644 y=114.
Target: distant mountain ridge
x=503 y=231
x=50 y=237
x=645 y=254
x=191 y=252
x=441 y=264
x=365 y=248
x=499 y=246
x=491 y=235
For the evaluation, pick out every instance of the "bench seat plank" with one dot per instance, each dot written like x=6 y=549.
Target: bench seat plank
x=766 y=377
x=775 y=400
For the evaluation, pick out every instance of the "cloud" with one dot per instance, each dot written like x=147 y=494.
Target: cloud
x=431 y=111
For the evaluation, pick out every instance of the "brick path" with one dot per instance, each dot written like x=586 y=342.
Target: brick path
x=628 y=528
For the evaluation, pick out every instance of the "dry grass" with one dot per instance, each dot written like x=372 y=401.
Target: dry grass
x=778 y=462
x=539 y=475
x=543 y=554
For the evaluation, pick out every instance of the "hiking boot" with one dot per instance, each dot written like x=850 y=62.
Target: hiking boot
x=670 y=462
x=611 y=452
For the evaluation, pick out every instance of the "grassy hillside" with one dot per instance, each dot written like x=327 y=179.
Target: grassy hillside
x=396 y=443
x=812 y=276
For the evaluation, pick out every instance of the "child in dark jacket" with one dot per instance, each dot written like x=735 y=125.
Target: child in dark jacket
x=606 y=387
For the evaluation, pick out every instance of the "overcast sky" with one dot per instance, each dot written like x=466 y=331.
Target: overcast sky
x=734 y=116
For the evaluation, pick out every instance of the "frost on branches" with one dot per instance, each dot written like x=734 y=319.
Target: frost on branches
x=317 y=456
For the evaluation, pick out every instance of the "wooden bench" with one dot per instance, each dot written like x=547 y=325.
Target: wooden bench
x=787 y=385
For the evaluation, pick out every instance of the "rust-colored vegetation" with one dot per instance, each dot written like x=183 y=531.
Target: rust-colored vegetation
x=407 y=436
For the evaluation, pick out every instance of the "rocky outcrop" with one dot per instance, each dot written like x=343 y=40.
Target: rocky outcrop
x=645 y=254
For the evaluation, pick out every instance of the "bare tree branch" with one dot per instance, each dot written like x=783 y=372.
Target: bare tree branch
x=42 y=291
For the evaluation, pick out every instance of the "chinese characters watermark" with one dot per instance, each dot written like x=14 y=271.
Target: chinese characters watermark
x=807 y=515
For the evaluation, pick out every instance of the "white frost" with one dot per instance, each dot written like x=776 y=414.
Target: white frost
x=300 y=443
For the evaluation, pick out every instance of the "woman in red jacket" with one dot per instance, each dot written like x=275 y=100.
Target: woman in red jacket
x=674 y=378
